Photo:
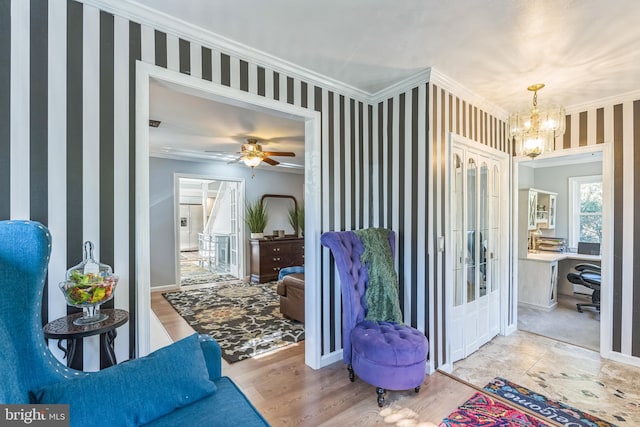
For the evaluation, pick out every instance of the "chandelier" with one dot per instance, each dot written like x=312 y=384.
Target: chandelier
x=534 y=132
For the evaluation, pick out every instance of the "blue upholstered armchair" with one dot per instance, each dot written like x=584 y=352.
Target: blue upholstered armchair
x=180 y=384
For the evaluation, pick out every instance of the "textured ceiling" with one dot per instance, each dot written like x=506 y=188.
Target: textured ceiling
x=583 y=50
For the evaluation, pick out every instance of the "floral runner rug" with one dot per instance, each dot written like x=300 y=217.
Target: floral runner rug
x=544 y=407
x=244 y=318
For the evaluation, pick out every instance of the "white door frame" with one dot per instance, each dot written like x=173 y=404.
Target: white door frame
x=176 y=213
x=503 y=276
x=606 y=246
x=312 y=191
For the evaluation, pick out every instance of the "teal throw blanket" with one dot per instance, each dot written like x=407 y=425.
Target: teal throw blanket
x=383 y=302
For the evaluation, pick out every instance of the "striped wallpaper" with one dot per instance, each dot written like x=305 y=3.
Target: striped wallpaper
x=67 y=158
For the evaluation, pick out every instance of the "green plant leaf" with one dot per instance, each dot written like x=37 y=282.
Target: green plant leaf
x=256 y=216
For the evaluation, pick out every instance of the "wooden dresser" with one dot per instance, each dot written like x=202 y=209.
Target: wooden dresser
x=269 y=256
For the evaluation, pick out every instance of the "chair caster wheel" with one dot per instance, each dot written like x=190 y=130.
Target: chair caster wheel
x=417 y=389
x=380 y=392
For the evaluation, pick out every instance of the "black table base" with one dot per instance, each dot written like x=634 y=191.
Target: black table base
x=64 y=329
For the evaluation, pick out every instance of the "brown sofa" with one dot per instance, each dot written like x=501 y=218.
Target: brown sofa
x=291 y=291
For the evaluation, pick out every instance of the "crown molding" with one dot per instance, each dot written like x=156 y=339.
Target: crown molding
x=145 y=15
x=158 y=20
x=459 y=89
x=403 y=85
x=603 y=102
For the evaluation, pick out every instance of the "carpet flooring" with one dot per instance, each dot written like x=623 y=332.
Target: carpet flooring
x=564 y=323
x=244 y=318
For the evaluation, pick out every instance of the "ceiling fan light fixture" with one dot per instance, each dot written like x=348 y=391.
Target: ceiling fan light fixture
x=535 y=131
x=252 y=160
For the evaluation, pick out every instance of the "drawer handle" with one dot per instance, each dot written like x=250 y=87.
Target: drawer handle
x=276 y=258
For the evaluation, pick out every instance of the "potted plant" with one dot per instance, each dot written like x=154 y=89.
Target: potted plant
x=301 y=220
x=293 y=219
x=256 y=218
x=296 y=219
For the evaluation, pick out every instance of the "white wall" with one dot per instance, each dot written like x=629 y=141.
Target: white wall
x=525 y=177
x=161 y=198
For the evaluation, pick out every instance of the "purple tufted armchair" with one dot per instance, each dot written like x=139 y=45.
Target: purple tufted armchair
x=387 y=355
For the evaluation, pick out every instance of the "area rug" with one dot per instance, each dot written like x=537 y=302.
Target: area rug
x=244 y=318
x=193 y=274
x=543 y=406
x=485 y=411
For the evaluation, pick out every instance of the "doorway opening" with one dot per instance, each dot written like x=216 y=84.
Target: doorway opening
x=547 y=246
x=209 y=230
x=311 y=123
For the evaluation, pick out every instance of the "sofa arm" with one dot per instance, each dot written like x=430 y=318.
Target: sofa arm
x=294 y=286
x=212 y=356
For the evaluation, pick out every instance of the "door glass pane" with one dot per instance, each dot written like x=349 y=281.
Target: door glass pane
x=472 y=244
x=494 y=217
x=483 y=213
x=457 y=204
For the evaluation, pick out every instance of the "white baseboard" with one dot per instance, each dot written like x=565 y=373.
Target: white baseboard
x=330 y=358
x=622 y=358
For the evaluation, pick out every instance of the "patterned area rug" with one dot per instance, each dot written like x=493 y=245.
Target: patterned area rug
x=244 y=318
x=485 y=411
x=543 y=406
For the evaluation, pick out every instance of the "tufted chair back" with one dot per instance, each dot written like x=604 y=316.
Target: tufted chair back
x=347 y=248
x=27 y=363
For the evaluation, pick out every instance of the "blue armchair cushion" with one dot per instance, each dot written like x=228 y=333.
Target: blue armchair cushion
x=290 y=270
x=137 y=391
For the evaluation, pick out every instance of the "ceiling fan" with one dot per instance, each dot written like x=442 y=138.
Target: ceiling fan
x=252 y=154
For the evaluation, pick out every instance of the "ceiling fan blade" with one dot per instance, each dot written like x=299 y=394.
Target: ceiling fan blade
x=234 y=161
x=280 y=153
x=270 y=161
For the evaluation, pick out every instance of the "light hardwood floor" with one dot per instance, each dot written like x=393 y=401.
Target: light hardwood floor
x=289 y=393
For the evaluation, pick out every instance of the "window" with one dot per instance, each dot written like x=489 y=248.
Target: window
x=585 y=209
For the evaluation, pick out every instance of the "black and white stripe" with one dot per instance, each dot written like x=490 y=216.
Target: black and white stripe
x=67 y=109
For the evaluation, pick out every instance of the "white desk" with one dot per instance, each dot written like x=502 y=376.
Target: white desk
x=559 y=256
x=542 y=275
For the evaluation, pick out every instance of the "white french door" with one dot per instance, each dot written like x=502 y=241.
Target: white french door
x=235 y=224
x=477 y=191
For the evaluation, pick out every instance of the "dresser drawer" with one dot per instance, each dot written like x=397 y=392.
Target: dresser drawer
x=268 y=257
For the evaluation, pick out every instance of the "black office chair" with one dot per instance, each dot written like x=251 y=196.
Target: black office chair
x=589 y=275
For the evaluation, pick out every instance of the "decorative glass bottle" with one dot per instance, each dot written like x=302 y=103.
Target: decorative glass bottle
x=88 y=285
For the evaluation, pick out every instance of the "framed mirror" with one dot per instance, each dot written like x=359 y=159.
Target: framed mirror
x=278 y=206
